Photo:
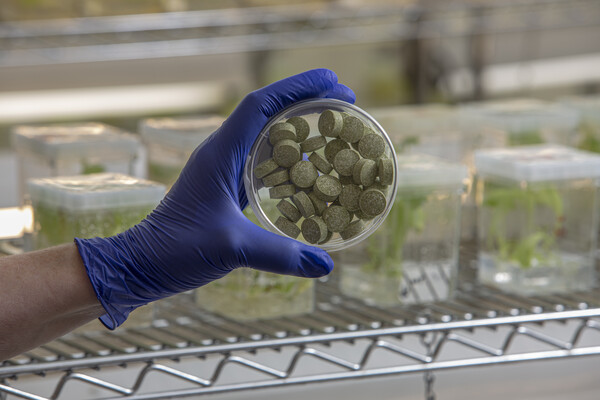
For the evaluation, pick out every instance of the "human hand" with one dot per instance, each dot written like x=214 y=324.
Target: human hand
x=198 y=233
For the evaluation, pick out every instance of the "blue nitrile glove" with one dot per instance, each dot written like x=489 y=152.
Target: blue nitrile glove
x=198 y=232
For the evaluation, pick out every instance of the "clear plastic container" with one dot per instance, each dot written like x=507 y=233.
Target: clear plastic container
x=93 y=205
x=413 y=256
x=588 y=130
x=72 y=149
x=171 y=141
x=246 y=294
x=524 y=121
x=87 y=206
x=537 y=218
x=442 y=131
x=264 y=206
x=432 y=129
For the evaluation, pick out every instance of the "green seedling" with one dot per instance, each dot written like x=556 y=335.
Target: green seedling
x=590 y=140
x=525 y=138
x=538 y=243
x=385 y=246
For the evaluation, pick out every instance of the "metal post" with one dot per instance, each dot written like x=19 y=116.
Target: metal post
x=477 y=49
x=428 y=341
x=415 y=58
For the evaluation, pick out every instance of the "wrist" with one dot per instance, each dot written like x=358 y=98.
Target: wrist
x=112 y=274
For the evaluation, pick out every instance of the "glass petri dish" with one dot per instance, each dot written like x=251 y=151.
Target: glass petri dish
x=362 y=224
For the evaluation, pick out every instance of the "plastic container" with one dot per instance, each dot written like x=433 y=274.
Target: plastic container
x=537 y=218
x=413 y=256
x=88 y=206
x=258 y=195
x=246 y=294
x=524 y=121
x=72 y=149
x=588 y=130
x=171 y=141
x=442 y=131
x=432 y=129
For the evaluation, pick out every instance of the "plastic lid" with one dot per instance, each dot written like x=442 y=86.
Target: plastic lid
x=522 y=115
x=420 y=171
x=538 y=163
x=95 y=191
x=181 y=133
x=78 y=140
x=587 y=106
x=422 y=119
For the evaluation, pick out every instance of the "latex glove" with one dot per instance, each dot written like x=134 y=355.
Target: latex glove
x=198 y=233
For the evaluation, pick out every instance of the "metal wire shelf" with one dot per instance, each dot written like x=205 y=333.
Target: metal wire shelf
x=272 y=28
x=413 y=338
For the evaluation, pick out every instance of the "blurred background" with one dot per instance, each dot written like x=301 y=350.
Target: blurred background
x=121 y=61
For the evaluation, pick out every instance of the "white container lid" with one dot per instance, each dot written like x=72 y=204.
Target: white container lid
x=417 y=120
x=587 y=106
x=184 y=133
x=538 y=163
x=95 y=191
x=75 y=141
x=425 y=171
x=523 y=115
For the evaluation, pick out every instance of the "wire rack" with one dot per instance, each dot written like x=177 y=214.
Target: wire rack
x=274 y=28
x=411 y=338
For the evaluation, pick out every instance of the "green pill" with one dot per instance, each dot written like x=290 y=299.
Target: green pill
x=286 y=153
x=282 y=191
x=377 y=185
x=337 y=203
x=265 y=168
x=276 y=178
x=371 y=146
x=302 y=128
x=281 y=131
x=353 y=129
x=385 y=168
x=362 y=216
x=372 y=202
x=314 y=230
x=337 y=218
x=346 y=180
x=288 y=227
x=334 y=147
x=349 y=197
x=344 y=161
x=303 y=174
x=304 y=204
x=330 y=123
x=313 y=144
x=353 y=229
x=289 y=211
x=364 y=172
x=327 y=238
x=320 y=163
x=319 y=204
x=327 y=188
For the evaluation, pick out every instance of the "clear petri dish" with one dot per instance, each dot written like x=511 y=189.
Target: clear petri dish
x=360 y=224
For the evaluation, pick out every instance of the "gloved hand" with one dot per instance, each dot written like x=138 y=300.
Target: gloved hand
x=198 y=232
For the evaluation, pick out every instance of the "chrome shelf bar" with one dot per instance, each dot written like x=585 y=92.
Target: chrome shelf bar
x=272 y=28
x=337 y=320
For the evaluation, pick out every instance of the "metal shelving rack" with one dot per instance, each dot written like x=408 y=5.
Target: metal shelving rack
x=412 y=337
x=195 y=33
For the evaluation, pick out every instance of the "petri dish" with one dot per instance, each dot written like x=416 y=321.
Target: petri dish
x=377 y=146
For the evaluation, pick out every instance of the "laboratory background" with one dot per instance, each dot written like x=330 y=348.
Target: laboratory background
x=480 y=279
